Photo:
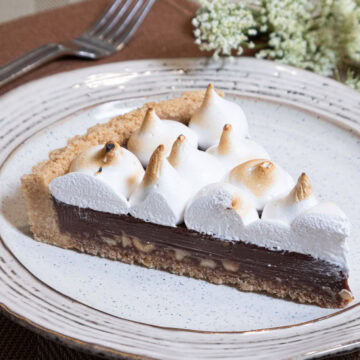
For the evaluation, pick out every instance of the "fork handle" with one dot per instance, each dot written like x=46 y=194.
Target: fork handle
x=30 y=61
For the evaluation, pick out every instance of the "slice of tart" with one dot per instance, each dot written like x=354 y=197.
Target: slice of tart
x=180 y=186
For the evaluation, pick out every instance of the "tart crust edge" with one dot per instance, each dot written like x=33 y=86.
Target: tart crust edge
x=35 y=186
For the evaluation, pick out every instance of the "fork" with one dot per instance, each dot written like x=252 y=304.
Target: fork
x=109 y=34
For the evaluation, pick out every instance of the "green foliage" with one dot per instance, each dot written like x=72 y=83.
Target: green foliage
x=352 y=80
x=321 y=36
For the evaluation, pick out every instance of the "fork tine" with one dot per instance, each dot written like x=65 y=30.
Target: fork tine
x=104 y=18
x=120 y=37
x=118 y=18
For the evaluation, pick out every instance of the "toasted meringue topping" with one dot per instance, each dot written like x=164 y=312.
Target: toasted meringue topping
x=322 y=231
x=303 y=188
x=87 y=191
x=257 y=175
x=96 y=157
x=217 y=192
x=262 y=179
x=152 y=172
x=288 y=207
x=221 y=210
x=232 y=151
x=154 y=132
x=112 y=164
x=208 y=121
x=225 y=143
x=162 y=195
x=241 y=204
x=111 y=150
x=197 y=167
x=151 y=120
x=175 y=154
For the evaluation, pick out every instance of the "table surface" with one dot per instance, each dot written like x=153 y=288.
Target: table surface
x=165 y=33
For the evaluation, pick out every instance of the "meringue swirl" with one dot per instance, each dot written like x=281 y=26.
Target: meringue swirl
x=162 y=195
x=262 y=179
x=232 y=151
x=155 y=131
x=112 y=164
x=197 y=167
x=214 y=113
x=298 y=200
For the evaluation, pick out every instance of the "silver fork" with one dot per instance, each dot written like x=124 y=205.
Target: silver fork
x=109 y=34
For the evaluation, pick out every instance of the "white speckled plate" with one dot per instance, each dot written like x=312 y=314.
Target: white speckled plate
x=306 y=122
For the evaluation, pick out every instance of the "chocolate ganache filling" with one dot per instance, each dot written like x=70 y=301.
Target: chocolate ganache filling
x=291 y=269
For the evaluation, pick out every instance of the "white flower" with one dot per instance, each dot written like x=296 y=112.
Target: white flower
x=197 y=32
x=195 y=22
x=317 y=35
x=223 y=26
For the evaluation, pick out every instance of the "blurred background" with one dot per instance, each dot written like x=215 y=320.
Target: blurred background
x=10 y=10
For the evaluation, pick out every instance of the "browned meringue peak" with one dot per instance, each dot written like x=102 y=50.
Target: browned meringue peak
x=153 y=169
x=257 y=175
x=208 y=94
x=162 y=195
x=174 y=156
x=286 y=208
x=208 y=121
x=196 y=166
x=303 y=188
x=225 y=143
x=111 y=150
x=97 y=156
x=155 y=131
x=112 y=164
x=150 y=120
x=232 y=151
x=262 y=178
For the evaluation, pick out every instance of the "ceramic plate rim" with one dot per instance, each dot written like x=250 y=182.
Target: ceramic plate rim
x=94 y=68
